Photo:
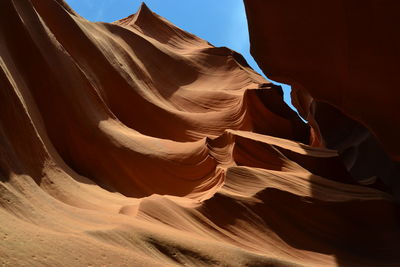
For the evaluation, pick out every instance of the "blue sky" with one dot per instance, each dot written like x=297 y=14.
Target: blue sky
x=221 y=22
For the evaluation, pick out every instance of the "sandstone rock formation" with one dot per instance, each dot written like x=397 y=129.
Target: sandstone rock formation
x=341 y=58
x=135 y=143
x=344 y=53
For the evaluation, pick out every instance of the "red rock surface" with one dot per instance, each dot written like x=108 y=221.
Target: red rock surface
x=345 y=53
x=136 y=143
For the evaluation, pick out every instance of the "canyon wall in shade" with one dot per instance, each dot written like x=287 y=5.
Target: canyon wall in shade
x=345 y=53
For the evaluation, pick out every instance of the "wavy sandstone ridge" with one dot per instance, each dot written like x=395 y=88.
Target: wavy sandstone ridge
x=137 y=143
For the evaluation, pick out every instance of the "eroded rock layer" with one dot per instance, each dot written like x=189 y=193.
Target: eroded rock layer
x=137 y=143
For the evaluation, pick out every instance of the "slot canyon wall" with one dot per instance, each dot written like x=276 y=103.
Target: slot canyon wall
x=342 y=60
x=135 y=143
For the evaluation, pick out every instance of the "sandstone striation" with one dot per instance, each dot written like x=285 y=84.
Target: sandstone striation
x=135 y=143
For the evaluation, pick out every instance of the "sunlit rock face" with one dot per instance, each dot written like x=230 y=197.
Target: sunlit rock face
x=135 y=143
